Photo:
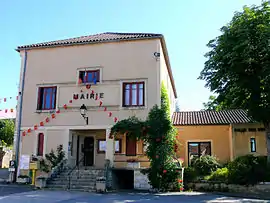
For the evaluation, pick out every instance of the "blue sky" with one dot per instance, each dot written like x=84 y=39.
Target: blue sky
x=187 y=27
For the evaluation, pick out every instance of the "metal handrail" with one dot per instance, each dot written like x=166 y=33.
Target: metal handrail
x=72 y=169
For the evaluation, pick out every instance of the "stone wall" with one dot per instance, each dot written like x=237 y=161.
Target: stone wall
x=141 y=181
x=262 y=188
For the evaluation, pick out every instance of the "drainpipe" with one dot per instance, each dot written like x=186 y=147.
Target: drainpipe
x=18 y=130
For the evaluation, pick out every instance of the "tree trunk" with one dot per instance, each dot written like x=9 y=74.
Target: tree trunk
x=267 y=137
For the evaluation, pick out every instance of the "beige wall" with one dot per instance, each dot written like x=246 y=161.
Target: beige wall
x=164 y=77
x=242 y=140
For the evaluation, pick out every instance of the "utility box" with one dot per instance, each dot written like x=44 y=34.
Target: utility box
x=101 y=184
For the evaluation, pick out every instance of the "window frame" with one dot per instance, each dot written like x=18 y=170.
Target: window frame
x=255 y=144
x=40 y=98
x=124 y=84
x=90 y=71
x=102 y=152
x=199 y=148
x=39 y=146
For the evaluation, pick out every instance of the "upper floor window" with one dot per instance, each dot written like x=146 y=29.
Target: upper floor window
x=46 y=98
x=133 y=94
x=89 y=76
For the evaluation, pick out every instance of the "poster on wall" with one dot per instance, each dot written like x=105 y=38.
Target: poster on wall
x=24 y=162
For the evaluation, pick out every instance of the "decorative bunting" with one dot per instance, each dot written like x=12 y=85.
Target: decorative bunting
x=47 y=120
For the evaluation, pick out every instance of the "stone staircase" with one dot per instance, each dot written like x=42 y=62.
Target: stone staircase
x=80 y=180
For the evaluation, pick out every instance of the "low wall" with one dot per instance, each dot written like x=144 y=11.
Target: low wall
x=262 y=188
x=141 y=181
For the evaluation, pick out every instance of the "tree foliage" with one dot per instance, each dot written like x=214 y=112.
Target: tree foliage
x=159 y=134
x=213 y=104
x=7 y=128
x=238 y=64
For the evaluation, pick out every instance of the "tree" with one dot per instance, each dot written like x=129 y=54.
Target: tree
x=7 y=128
x=213 y=104
x=238 y=64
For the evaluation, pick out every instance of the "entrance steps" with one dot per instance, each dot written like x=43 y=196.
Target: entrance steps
x=79 y=180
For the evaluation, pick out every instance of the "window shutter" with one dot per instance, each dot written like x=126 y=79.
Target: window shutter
x=131 y=146
x=40 y=144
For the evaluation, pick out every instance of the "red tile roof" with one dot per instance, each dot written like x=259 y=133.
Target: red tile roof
x=211 y=117
x=96 y=38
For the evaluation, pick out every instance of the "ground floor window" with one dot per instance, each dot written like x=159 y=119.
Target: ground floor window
x=101 y=146
x=197 y=149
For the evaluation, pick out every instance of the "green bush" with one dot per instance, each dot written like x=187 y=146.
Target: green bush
x=248 y=170
x=205 y=165
x=220 y=175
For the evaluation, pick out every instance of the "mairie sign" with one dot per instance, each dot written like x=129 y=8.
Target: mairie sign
x=88 y=96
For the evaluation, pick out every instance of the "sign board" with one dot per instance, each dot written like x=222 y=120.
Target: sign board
x=24 y=162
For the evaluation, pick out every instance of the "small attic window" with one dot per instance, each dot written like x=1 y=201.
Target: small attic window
x=252 y=130
x=242 y=130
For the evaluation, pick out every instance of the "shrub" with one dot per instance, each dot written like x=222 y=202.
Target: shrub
x=205 y=165
x=220 y=174
x=248 y=170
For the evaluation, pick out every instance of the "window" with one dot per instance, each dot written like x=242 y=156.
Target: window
x=46 y=98
x=90 y=76
x=40 y=144
x=133 y=94
x=131 y=146
x=102 y=146
x=252 y=144
x=197 y=149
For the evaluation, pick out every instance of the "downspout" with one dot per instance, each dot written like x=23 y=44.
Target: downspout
x=18 y=130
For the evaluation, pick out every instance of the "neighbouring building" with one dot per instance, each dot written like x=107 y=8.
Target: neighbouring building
x=113 y=75
x=224 y=134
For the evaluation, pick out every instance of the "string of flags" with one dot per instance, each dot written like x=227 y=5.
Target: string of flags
x=52 y=115
x=6 y=99
x=8 y=110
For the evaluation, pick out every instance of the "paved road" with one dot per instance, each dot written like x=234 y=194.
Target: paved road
x=76 y=197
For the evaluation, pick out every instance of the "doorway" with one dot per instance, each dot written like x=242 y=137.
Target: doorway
x=88 y=151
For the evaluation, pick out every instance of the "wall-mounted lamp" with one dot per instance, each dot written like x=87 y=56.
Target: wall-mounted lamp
x=83 y=110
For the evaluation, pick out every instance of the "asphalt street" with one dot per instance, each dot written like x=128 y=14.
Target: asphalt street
x=80 y=197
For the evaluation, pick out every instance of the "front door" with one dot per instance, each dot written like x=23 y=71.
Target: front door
x=88 y=151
